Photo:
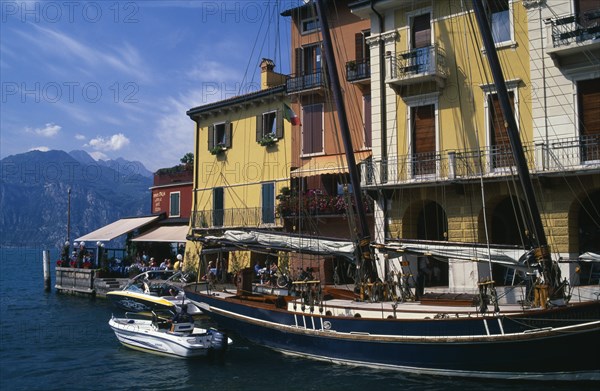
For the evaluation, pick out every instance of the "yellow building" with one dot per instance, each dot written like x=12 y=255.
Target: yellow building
x=242 y=161
x=439 y=141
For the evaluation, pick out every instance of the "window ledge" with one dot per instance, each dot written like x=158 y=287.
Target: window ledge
x=502 y=45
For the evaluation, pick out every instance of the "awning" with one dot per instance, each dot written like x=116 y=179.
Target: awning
x=328 y=164
x=165 y=233
x=116 y=229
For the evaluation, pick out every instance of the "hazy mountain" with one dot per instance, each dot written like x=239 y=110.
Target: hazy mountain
x=120 y=165
x=34 y=196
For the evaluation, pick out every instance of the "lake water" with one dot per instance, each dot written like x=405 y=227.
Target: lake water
x=51 y=341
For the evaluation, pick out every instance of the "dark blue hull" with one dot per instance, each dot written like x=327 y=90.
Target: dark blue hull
x=463 y=347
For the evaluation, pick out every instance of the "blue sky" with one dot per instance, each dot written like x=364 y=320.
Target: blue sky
x=115 y=78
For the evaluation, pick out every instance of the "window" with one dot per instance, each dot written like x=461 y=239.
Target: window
x=312 y=129
x=269 y=127
x=174 y=204
x=219 y=135
x=268 y=203
x=500 y=150
x=361 y=48
x=499 y=17
x=309 y=25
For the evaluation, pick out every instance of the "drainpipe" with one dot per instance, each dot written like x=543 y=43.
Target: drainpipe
x=383 y=112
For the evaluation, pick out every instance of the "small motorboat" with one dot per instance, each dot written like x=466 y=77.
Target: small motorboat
x=170 y=337
x=153 y=290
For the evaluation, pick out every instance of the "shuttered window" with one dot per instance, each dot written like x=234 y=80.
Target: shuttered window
x=174 y=209
x=268 y=203
x=588 y=94
x=312 y=129
x=423 y=140
x=218 y=207
x=220 y=134
x=500 y=143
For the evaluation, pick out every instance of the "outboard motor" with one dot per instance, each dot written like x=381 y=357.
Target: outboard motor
x=218 y=340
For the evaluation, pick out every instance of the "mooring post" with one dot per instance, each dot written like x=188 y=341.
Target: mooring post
x=46 y=260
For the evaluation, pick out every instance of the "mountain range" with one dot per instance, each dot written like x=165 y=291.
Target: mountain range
x=34 y=196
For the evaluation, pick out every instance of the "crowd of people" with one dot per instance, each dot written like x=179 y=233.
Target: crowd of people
x=145 y=263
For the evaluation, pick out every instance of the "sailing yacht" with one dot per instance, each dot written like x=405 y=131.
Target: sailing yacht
x=382 y=322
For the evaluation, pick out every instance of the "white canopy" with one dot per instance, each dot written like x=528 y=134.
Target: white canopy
x=116 y=229
x=288 y=242
x=165 y=233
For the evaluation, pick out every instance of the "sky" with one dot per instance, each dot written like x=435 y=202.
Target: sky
x=115 y=78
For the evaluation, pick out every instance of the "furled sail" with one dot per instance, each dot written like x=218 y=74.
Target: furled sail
x=304 y=244
x=510 y=256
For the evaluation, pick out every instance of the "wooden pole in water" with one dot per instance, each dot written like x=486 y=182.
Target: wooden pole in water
x=46 y=259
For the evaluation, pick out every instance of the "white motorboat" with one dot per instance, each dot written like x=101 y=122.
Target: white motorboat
x=169 y=337
x=153 y=290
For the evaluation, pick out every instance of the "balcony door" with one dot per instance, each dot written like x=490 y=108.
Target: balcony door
x=268 y=203
x=588 y=96
x=421 y=41
x=501 y=152
x=423 y=140
x=218 y=207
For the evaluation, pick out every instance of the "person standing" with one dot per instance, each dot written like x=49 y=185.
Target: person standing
x=179 y=263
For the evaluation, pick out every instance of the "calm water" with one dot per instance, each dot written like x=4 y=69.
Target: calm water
x=50 y=341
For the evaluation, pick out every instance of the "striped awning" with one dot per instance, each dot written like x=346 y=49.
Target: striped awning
x=116 y=229
x=165 y=233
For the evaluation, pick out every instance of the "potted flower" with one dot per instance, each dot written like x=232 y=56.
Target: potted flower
x=217 y=149
x=268 y=140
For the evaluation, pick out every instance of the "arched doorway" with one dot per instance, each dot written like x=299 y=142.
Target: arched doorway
x=506 y=228
x=432 y=224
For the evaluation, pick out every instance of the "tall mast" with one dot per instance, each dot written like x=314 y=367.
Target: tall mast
x=364 y=238
x=534 y=220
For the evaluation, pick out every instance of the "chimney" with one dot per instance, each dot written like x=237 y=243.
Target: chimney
x=269 y=78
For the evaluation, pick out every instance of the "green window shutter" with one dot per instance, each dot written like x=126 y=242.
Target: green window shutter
x=259 y=132
x=279 y=127
x=211 y=136
x=228 y=134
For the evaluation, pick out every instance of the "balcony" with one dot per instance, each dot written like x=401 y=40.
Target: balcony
x=573 y=35
x=557 y=157
x=315 y=203
x=234 y=218
x=418 y=66
x=358 y=71
x=305 y=83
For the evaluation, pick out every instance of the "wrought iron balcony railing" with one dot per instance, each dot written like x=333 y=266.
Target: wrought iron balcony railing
x=559 y=155
x=417 y=65
x=575 y=28
x=358 y=70
x=234 y=218
x=306 y=81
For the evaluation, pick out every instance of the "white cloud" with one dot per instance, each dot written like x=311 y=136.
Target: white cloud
x=41 y=148
x=49 y=130
x=114 y=143
x=79 y=137
x=98 y=155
